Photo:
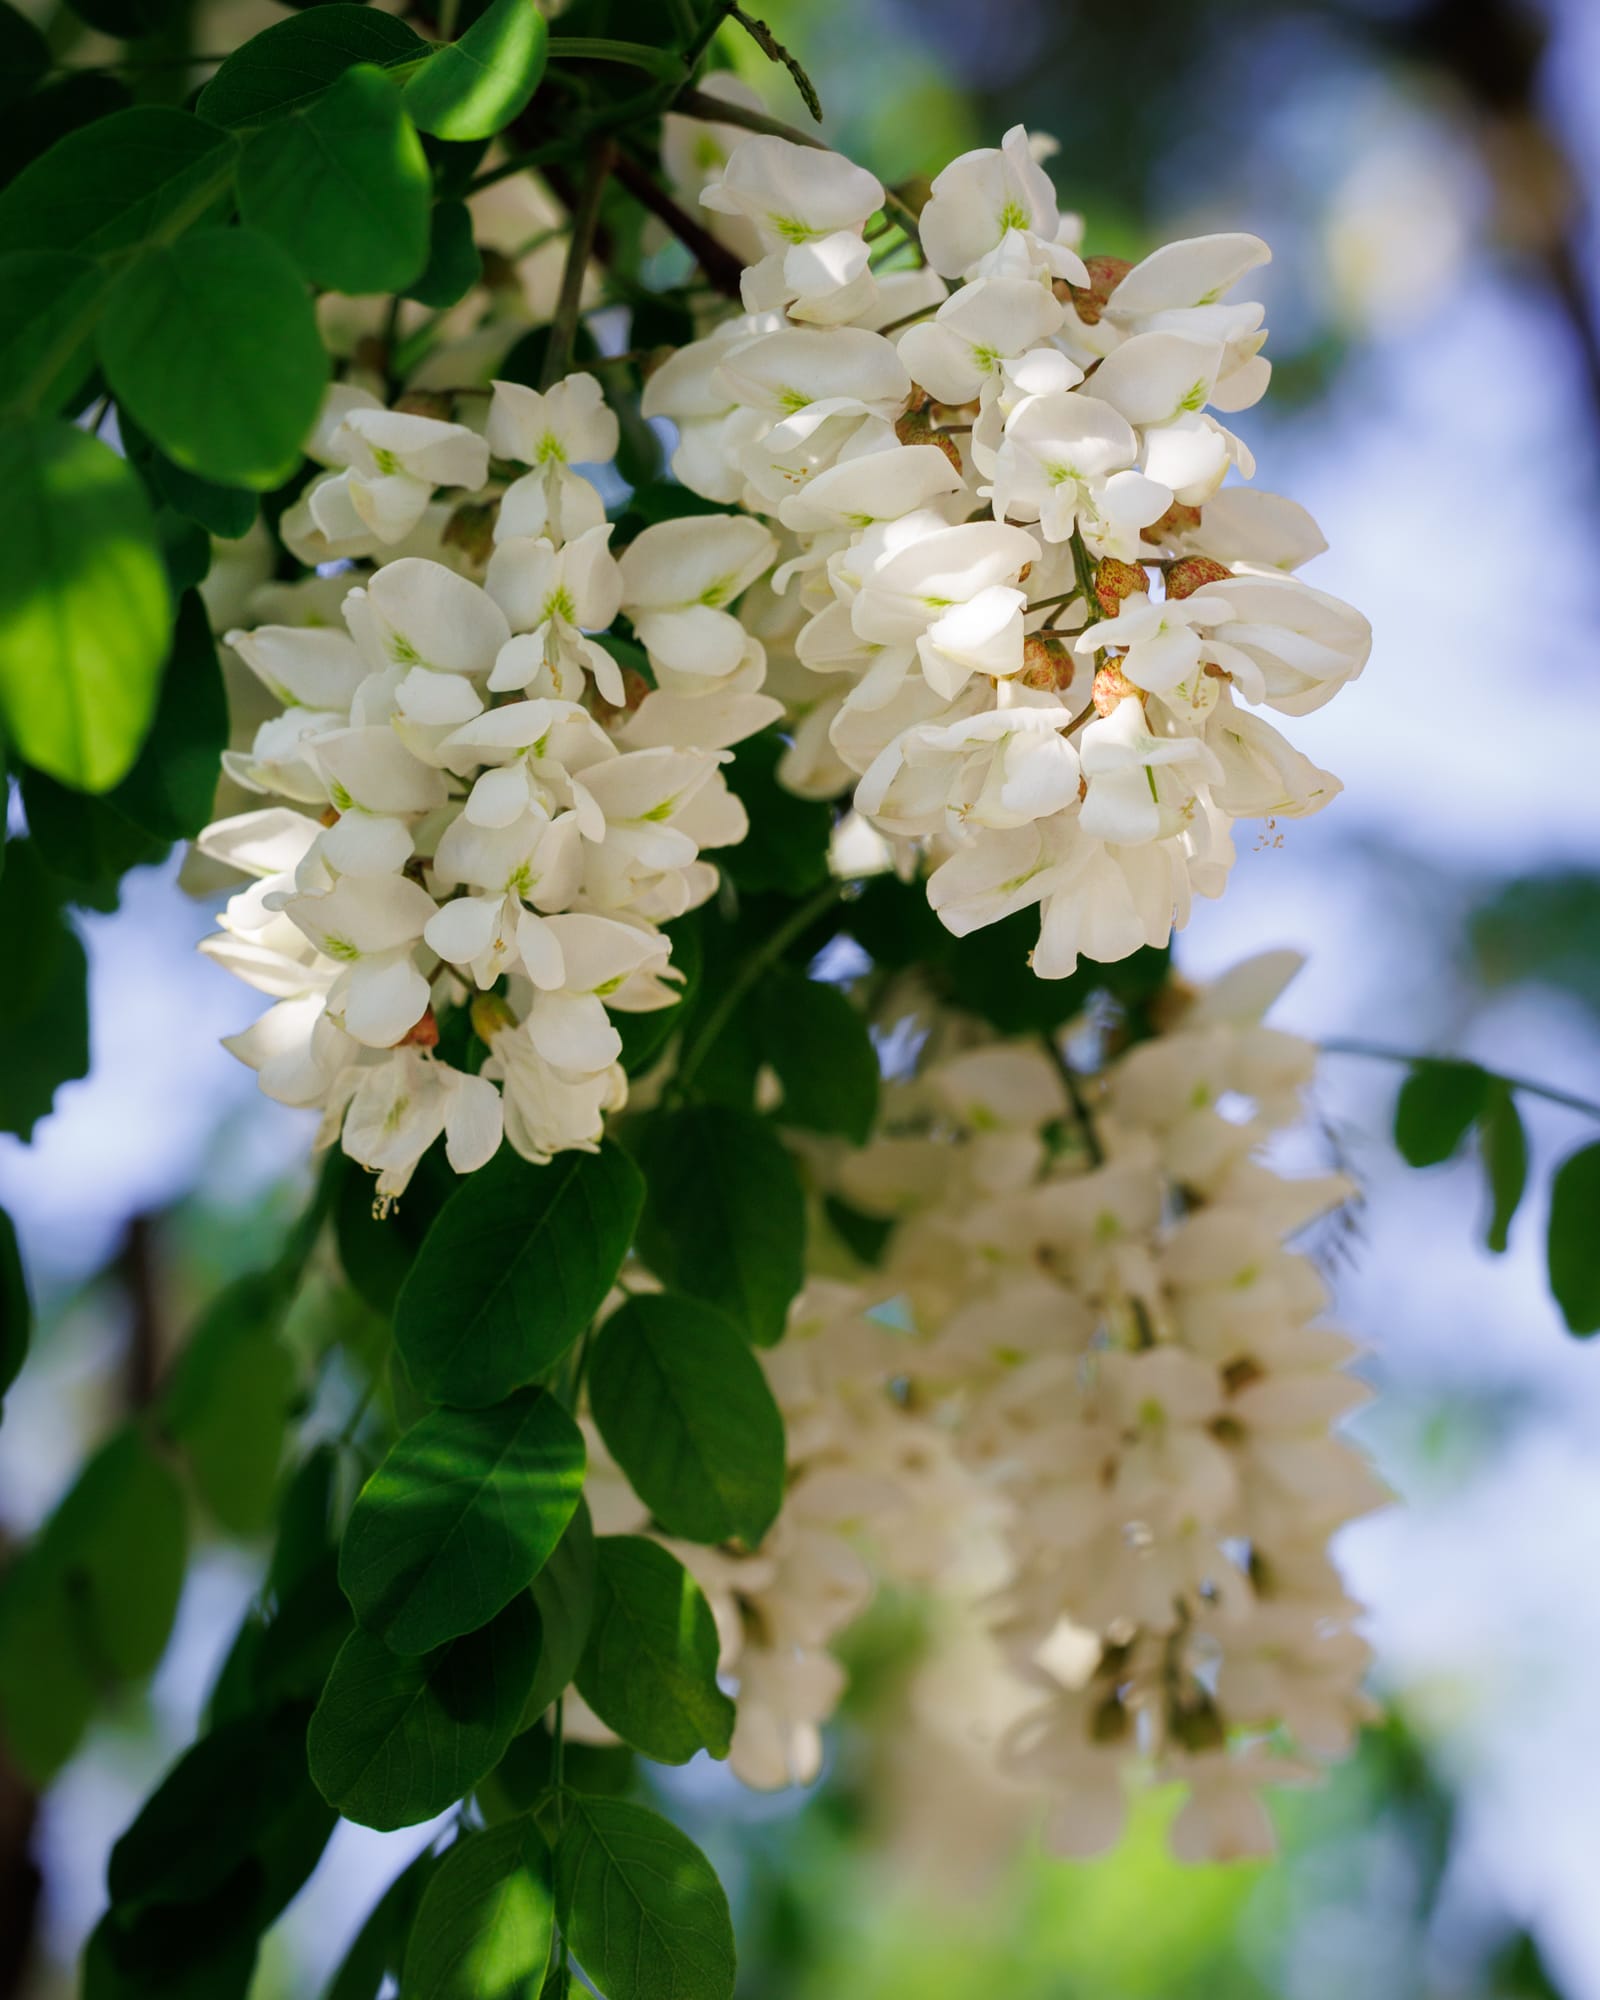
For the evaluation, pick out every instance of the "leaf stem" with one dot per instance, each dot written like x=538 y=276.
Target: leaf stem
x=714 y=258
x=585 y=221
x=661 y=63
x=767 y=954
x=1377 y=1052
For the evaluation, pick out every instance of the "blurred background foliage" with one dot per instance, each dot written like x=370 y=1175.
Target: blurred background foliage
x=1425 y=170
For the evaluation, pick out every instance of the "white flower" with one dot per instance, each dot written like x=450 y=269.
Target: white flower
x=369 y=926
x=1284 y=643
x=992 y=210
x=399 y=1107
x=551 y=598
x=1065 y=461
x=793 y=194
x=801 y=376
x=960 y=350
x=678 y=578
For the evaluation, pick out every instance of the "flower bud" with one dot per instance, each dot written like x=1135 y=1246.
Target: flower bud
x=423 y=1032
x=1111 y=686
x=1177 y=520
x=1047 y=665
x=918 y=427
x=490 y=1014
x=1115 y=580
x=1089 y=302
x=1185 y=578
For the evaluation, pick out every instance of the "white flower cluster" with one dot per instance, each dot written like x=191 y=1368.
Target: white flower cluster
x=1007 y=540
x=1086 y=1402
x=472 y=794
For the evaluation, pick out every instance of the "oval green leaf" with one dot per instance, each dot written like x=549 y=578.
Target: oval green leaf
x=1574 y=1243
x=394 y=1741
x=649 y=1670
x=140 y=175
x=563 y=1593
x=513 y=1271
x=84 y=604
x=1436 y=1108
x=214 y=346
x=343 y=185
x=725 y=1220
x=294 y=61
x=484 y=1927
x=641 y=1906
x=686 y=1412
x=472 y=88
x=460 y=1517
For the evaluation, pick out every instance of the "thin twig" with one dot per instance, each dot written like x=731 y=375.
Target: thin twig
x=714 y=258
x=585 y=221
x=1376 y=1052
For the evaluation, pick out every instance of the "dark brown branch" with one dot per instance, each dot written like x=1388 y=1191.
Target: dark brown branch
x=718 y=262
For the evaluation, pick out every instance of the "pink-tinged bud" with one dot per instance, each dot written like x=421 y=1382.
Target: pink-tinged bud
x=1177 y=520
x=917 y=427
x=1112 y=686
x=1185 y=578
x=329 y=815
x=422 y=1034
x=1114 y=580
x=490 y=1014
x=427 y=403
x=1047 y=665
x=471 y=529
x=1089 y=301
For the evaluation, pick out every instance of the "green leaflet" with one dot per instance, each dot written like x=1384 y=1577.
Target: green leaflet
x=484 y=1927
x=84 y=604
x=513 y=1271
x=638 y=1902
x=394 y=1741
x=686 y=1412
x=459 y=1519
x=649 y=1670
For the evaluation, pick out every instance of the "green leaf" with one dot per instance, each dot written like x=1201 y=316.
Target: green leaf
x=173 y=784
x=459 y=1518
x=87 y=843
x=454 y=265
x=513 y=1271
x=394 y=1741
x=294 y=61
x=47 y=302
x=1439 y=1103
x=470 y=89
x=343 y=186
x=226 y=511
x=140 y=176
x=786 y=848
x=818 y=1044
x=16 y=1308
x=379 y=1947
x=91 y=1601
x=649 y=1670
x=686 y=1412
x=563 y=1593
x=376 y=1251
x=214 y=346
x=219 y=1806
x=725 y=1220
x=33 y=124
x=84 y=605
x=640 y=1905
x=228 y=1406
x=1575 y=1240
x=1505 y=1162
x=44 y=1004
x=484 y=1927
x=24 y=55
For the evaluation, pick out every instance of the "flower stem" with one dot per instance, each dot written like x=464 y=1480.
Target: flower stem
x=585 y=220
x=796 y=924
x=714 y=258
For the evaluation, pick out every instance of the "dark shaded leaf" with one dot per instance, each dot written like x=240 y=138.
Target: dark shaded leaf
x=1438 y=1105
x=1574 y=1241
x=645 y=1914
x=454 y=265
x=485 y=1924
x=649 y=1670
x=294 y=61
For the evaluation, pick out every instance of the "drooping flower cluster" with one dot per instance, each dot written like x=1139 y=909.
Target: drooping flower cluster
x=1050 y=631
x=1087 y=1401
x=472 y=795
